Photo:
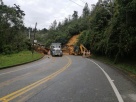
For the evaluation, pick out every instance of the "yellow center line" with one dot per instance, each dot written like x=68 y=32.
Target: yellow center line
x=22 y=76
x=13 y=80
x=34 y=85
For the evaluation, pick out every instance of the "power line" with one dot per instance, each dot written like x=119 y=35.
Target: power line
x=86 y=2
x=83 y=1
x=76 y=3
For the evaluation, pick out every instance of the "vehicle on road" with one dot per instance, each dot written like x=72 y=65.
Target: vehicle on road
x=56 y=49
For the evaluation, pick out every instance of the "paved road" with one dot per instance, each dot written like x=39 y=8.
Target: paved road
x=65 y=79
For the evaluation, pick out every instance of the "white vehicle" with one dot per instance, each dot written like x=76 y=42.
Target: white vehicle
x=56 y=49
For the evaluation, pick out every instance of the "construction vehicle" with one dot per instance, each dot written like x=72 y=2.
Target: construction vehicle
x=76 y=50
x=82 y=49
x=56 y=49
x=73 y=48
x=79 y=50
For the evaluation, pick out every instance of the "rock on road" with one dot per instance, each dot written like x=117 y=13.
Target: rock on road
x=65 y=79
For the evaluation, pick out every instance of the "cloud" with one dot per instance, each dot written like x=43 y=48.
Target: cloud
x=44 y=12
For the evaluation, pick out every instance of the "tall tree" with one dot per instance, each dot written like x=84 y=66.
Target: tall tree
x=11 y=20
x=86 y=10
x=53 y=25
x=75 y=15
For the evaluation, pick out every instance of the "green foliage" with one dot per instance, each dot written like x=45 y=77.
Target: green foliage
x=66 y=29
x=7 y=49
x=12 y=37
x=112 y=35
x=18 y=58
x=108 y=30
x=86 y=10
x=84 y=39
x=75 y=15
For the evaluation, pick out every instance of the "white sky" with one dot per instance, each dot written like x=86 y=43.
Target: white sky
x=44 y=12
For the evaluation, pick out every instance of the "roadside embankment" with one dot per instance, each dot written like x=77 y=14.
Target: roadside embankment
x=18 y=58
x=128 y=67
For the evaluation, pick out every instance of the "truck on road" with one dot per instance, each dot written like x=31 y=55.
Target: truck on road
x=56 y=49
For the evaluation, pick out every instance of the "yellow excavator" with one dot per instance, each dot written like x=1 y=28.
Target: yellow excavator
x=75 y=50
x=79 y=50
x=82 y=49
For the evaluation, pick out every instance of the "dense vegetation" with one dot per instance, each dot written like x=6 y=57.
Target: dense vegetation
x=18 y=58
x=72 y=25
x=109 y=29
x=12 y=31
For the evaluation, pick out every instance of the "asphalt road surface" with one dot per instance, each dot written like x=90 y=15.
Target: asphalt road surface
x=65 y=79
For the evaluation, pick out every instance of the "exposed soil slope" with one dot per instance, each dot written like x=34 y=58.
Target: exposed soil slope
x=69 y=47
x=73 y=40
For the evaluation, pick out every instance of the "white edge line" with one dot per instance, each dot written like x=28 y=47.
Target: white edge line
x=111 y=82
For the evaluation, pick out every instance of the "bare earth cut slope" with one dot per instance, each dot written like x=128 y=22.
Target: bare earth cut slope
x=69 y=47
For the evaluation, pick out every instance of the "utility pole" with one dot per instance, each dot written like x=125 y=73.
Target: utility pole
x=34 y=38
x=35 y=30
x=29 y=33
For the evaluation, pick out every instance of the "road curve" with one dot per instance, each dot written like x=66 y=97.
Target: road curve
x=65 y=79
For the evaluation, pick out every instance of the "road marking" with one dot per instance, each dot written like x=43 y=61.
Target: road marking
x=17 y=93
x=22 y=76
x=13 y=80
x=111 y=83
x=22 y=68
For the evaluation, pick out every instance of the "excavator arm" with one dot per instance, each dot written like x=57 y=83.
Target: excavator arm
x=82 y=48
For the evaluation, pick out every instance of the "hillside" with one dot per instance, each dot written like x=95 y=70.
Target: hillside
x=69 y=47
x=73 y=40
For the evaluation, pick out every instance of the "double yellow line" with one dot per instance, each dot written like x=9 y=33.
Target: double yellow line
x=17 y=93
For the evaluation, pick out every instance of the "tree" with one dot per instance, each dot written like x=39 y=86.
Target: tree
x=107 y=30
x=66 y=21
x=86 y=10
x=53 y=25
x=75 y=15
x=11 y=20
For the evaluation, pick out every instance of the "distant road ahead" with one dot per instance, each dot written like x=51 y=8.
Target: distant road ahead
x=65 y=79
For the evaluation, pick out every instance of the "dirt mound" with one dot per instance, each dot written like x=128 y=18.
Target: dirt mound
x=41 y=49
x=73 y=40
x=69 y=47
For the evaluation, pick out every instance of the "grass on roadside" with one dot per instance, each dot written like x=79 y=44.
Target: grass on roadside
x=128 y=66
x=18 y=58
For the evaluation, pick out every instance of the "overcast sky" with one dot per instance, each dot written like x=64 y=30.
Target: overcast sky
x=44 y=12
